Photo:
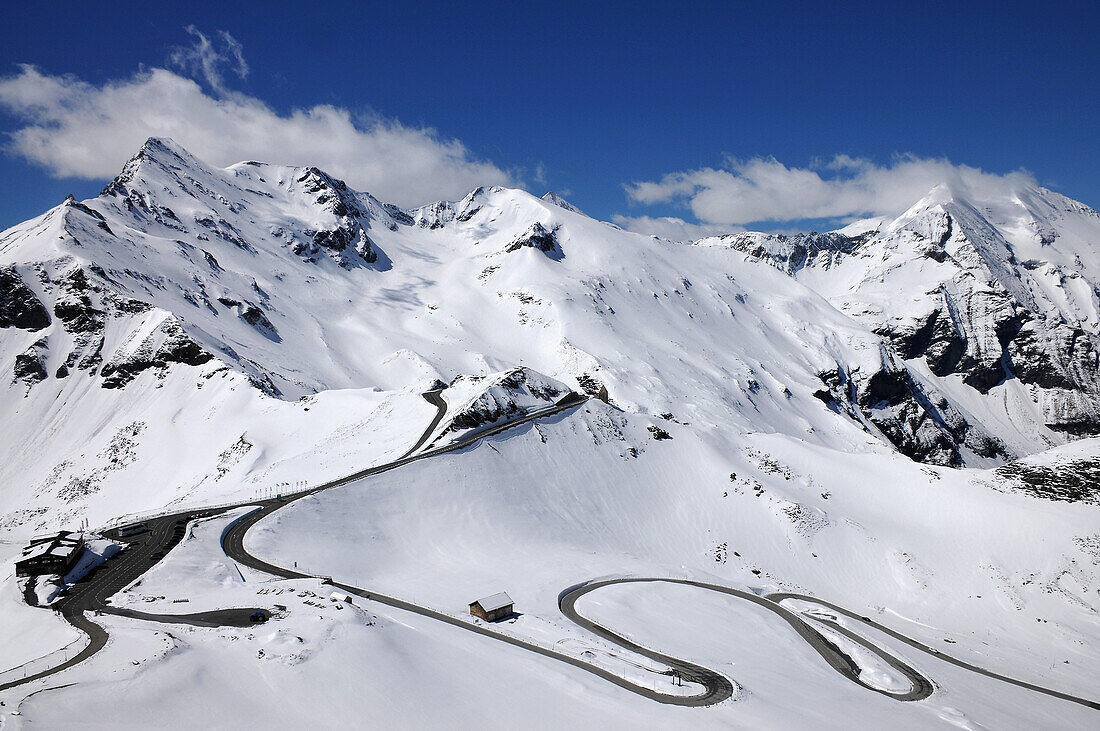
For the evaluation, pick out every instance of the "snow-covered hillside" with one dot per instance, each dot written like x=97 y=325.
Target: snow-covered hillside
x=285 y=280
x=993 y=304
x=767 y=411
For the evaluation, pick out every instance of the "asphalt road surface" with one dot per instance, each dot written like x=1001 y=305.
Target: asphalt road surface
x=93 y=591
x=938 y=654
x=145 y=550
x=920 y=687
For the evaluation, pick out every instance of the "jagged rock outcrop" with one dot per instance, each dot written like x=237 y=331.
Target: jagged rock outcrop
x=921 y=424
x=346 y=241
x=798 y=251
x=1062 y=364
x=502 y=396
x=30 y=364
x=539 y=238
x=19 y=306
x=167 y=344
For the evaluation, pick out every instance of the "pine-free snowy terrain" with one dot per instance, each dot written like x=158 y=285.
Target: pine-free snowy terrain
x=761 y=410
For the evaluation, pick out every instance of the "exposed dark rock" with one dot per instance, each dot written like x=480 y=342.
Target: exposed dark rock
x=331 y=192
x=479 y=413
x=890 y=387
x=593 y=387
x=923 y=426
x=517 y=379
x=1059 y=356
x=263 y=382
x=936 y=338
x=337 y=239
x=100 y=221
x=537 y=237
x=224 y=230
x=165 y=345
x=398 y=215
x=256 y=317
x=19 y=307
x=211 y=261
x=30 y=364
x=74 y=305
x=984 y=327
x=494 y=405
x=127 y=305
x=658 y=433
x=792 y=253
x=1069 y=480
x=347 y=243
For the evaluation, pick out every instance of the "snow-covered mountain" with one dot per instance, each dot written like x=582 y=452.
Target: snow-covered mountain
x=958 y=335
x=994 y=308
x=764 y=408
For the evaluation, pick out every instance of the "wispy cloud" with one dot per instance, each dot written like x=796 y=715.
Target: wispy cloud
x=77 y=129
x=766 y=190
x=202 y=59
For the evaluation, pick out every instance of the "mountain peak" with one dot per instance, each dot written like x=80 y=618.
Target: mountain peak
x=557 y=200
x=157 y=153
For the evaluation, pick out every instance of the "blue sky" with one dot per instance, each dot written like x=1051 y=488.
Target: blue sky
x=726 y=114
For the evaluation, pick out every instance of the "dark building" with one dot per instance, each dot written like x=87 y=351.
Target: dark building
x=55 y=553
x=492 y=608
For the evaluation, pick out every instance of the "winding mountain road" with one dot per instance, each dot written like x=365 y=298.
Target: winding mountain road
x=938 y=654
x=716 y=687
x=92 y=592
x=145 y=550
x=920 y=688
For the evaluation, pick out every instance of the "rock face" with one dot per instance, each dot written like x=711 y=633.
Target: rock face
x=167 y=344
x=29 y=365
x=486 y=400
x=347 y=241
x=793 y=253
x=19 y=307
x=1002 y=296
x=921 y=423
x=1072 y=480
x=539 y=238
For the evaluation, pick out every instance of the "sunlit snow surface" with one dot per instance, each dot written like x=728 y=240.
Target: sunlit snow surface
x=760 y=485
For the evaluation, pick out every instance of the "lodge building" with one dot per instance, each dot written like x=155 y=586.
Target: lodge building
x=52 y=553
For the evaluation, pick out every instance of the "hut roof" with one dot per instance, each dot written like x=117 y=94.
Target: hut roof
x=496 y=601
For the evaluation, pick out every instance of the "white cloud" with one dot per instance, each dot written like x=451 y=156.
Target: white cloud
x=203 y=59
x=763 y=189
x=77 y=129
x=672 y=228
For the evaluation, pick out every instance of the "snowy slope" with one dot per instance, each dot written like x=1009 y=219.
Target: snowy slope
x=993 y=303
x=761 y=409
x=277 y=283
